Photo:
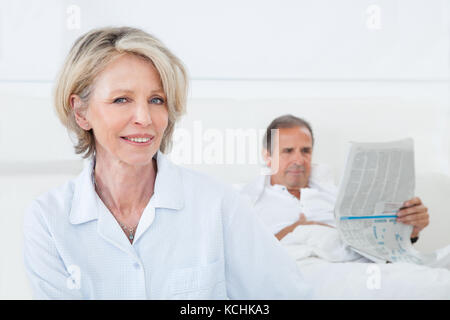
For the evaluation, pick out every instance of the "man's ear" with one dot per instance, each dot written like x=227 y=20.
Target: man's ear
x=79 y=110
x=272 y=161
x=267 y=157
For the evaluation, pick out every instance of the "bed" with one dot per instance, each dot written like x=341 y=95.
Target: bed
x=336 y=272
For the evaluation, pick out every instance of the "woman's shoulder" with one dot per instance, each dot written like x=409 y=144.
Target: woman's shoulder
x=173 y=175
x=202 y=182
x=54 y=202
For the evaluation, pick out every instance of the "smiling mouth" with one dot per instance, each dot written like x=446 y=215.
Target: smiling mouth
x=138 y=140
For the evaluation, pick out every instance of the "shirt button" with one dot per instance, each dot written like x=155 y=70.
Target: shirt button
x=136 y=266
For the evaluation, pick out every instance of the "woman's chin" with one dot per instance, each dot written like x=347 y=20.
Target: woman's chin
x=138 y=160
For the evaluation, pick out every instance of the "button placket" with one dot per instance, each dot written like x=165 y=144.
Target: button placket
x=140 y=274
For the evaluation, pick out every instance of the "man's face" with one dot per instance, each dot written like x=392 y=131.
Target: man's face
x=293 y=154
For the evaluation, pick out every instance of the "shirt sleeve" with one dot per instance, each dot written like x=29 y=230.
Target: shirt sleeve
x=48 y=276
x=257 y=266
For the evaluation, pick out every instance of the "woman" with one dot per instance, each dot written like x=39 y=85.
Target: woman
x=133 y=225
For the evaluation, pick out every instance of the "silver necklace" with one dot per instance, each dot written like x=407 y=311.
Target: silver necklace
x=129 y=231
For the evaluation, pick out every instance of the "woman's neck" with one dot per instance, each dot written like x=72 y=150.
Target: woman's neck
x=125 y=189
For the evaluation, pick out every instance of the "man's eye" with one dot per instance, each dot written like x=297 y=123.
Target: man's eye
x=157 y=100
x=120 y=100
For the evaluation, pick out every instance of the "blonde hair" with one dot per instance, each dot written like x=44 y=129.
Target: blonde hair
x=92 y=52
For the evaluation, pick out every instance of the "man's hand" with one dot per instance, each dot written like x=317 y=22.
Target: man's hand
x=414 y=213
x=301 y=221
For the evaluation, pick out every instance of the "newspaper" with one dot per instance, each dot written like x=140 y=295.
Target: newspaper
x=378 y=179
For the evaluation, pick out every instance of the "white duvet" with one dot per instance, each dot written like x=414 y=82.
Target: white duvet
x=336 y=272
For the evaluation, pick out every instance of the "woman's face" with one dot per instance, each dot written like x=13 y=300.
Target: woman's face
x=127 y=111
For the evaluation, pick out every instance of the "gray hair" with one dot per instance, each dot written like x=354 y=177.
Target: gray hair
x=285 y=121
x=90 y=55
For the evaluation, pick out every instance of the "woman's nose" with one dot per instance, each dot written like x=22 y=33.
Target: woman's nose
x=142 y=114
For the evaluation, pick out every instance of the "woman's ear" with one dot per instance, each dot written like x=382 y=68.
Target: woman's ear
x=79 y=110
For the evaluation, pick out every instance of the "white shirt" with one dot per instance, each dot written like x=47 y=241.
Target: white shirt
x=196 y=239
x=277 y=208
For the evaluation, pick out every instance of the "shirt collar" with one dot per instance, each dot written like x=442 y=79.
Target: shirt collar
x=84 y=197
x=168 y=184
x=168 y=190
x=255 y=189
x=320 y=177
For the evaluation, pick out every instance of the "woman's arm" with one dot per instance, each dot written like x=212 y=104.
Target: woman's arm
x=257 y=266
x=46 y=271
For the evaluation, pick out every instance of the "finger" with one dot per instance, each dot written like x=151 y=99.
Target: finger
x=412 y=210
x=412 y=217
x=302 y=218
x=412 y=202
x=422 y=223
x=323 y=224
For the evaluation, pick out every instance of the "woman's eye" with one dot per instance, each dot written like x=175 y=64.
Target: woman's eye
x=157 y=100
x=120 y=100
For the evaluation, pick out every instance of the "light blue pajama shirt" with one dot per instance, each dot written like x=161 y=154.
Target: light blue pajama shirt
x=196 y=239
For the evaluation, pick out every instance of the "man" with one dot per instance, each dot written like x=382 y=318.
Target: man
x=297 y=194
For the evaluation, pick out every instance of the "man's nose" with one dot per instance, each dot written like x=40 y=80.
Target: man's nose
x=299 y=158
x=142 y=114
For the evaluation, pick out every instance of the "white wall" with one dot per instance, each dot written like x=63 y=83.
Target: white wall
x=354 y=74
x=253 y=39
